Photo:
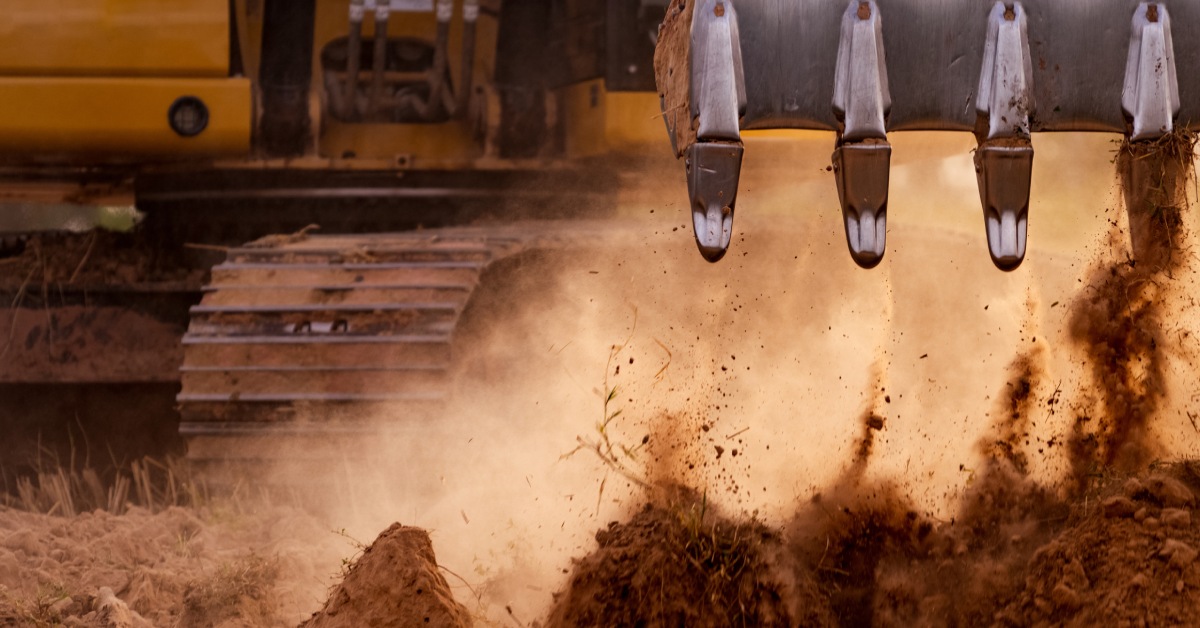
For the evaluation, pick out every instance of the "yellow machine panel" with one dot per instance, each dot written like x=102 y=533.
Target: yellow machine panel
x=599 y=121
x=120 y=116
x=114 y=37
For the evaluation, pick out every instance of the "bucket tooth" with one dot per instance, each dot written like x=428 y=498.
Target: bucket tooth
x=1004 y=157
x=862 y=170
x=1004 y=173
x=862 y=158
x=713 y=172
x=718 y=100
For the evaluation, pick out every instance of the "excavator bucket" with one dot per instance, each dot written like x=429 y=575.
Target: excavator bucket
x=1001 y=69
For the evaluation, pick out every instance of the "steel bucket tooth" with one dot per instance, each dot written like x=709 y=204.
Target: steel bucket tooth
x=862 y=171
x=713 y=171
x=716 y=100
x=1150 y=94
x=1001 y=69
x=1004 y=173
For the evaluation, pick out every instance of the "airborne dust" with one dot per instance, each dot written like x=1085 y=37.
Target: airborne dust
x=783 y=438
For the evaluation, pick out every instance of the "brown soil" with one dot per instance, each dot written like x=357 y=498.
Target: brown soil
x=76 y=343
x=672 y=72
x=1115 y=542
x=1123 y=553
x=681 y=564
x=94 y=258
x=395 y=583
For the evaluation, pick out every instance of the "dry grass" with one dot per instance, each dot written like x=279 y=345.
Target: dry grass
x=42 y=609
x=65 y=490
x=241 y=589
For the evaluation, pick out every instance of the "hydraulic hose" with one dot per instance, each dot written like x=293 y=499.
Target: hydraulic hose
x=379 y=65
x=349 y=109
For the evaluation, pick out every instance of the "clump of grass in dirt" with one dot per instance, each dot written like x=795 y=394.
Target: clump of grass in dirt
x=45 y=608
x=242 y=589
x=1154 y=179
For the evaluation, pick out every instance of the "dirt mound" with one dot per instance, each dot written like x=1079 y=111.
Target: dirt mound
x=394 y=583
x=681 y=564
x=1127 y=559
x=1124 y=553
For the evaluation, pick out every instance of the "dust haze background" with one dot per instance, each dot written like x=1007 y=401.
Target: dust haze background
x=746 y=379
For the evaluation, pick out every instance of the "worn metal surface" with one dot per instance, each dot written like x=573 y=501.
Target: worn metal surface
x=935 y=51
x=861 y=98
x=1004 y=174
x=862 y=171
x=718 y=95
x=714 y=169
x=1150 y=96
x=1004 y=82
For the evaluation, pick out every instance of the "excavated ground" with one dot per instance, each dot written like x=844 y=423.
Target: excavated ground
x=1122 y=556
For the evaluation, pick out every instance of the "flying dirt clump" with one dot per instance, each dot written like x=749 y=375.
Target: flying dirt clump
x=395 y=582
x=1118 y=320
x=961 y=572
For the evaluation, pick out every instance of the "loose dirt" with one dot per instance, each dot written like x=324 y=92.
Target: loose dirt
x=94 y=258
x=677 y=562
x=178 y=567
x=395 y=583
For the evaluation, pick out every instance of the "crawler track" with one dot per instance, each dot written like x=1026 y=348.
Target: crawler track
x=302 y=345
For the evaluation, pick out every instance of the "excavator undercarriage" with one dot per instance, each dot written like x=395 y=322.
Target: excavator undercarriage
x=321 y=339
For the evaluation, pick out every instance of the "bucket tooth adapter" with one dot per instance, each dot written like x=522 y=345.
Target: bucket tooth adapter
x=1001 y=69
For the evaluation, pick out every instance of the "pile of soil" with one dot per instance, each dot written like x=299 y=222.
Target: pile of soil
x=1126 y=553
x=681 y=564
x=395 y=583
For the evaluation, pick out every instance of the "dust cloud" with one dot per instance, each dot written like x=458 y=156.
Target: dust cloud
x=857 y=412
